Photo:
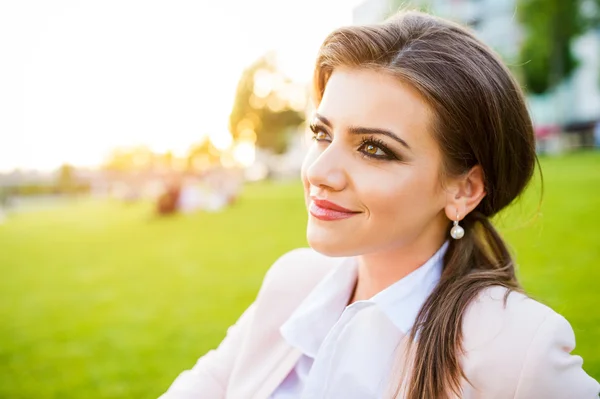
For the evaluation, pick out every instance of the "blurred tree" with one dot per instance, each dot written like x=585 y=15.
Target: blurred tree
x=119 y=160
x=66 y=182
x=129 y=159
x=201 y=156
x=263 y=110
x=591 y=11
x=420 y=5
x=66 y=179
x=550 y=26
x=166 y=159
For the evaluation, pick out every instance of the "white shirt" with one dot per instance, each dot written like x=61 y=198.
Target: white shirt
x=348 y=351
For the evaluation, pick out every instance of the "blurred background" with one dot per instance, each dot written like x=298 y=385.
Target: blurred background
x=149 y=173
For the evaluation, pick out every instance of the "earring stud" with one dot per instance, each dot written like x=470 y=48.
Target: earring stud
x=457 y=232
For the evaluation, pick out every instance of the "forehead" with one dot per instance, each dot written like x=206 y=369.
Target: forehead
x=371 y=98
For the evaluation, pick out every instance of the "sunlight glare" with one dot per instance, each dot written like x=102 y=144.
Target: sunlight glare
x=222 y=140
x=163 y=76
x=244 y=152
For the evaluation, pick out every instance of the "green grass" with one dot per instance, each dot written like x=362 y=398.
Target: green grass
x=103 y=300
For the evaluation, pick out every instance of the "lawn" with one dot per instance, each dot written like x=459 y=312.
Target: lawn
x=100 y=299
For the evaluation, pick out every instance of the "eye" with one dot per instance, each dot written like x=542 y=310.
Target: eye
x=372 y=147
x=319 y=133
x=373 y=150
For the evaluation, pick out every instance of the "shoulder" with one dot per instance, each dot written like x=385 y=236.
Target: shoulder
x=520 y=346
x=298 y=270
x=497 y=311
x=500 y=325
x=291 y=278
x=286 y=284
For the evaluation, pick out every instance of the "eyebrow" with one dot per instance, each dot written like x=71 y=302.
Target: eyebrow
x=365 y=130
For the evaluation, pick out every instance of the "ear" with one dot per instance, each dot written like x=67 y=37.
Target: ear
x=464 y=193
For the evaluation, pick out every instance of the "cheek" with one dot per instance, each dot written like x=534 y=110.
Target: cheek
x=402 y=197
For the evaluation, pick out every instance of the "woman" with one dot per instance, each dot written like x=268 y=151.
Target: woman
x=421 y=136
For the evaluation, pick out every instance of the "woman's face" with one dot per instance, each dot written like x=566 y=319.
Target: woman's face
x=372 y=174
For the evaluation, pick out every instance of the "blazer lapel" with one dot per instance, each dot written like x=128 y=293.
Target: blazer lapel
x=265 y=357
x=282 y=364
x=262 y=368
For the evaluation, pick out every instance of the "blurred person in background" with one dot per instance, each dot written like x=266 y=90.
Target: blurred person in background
x=421 y=135
x=217 y=189
x=168 y=201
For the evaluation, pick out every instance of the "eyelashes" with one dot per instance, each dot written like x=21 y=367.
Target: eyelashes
x=317 y=131
x=370 y=146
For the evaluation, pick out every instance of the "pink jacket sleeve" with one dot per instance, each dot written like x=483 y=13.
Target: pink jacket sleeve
x=210 y=375
x=550 y=371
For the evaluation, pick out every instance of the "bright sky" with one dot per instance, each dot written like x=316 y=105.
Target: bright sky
x=78 y=78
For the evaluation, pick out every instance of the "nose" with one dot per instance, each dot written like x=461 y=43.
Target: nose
x=326 y=169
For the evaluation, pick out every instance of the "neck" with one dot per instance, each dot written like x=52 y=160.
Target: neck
x=377 y=271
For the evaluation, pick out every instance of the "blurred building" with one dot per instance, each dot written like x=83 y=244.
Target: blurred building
x=576 y=102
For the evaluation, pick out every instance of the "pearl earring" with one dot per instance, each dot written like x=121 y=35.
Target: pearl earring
x=457 y=232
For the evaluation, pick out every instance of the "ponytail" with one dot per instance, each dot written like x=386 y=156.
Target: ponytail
x=477 y=261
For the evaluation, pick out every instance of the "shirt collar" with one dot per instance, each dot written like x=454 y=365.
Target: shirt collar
x=308 y=326
x=310 y=323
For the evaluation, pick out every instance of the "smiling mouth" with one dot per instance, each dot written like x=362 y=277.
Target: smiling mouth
x=328 y=211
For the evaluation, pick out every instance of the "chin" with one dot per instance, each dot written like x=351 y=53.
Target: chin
x=328 y=245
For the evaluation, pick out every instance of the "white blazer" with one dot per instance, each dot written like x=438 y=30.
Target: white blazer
x=521 y=350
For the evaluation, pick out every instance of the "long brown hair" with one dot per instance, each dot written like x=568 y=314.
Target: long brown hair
x=480 y=119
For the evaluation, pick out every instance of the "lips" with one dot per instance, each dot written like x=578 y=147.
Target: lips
x=326 y=210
